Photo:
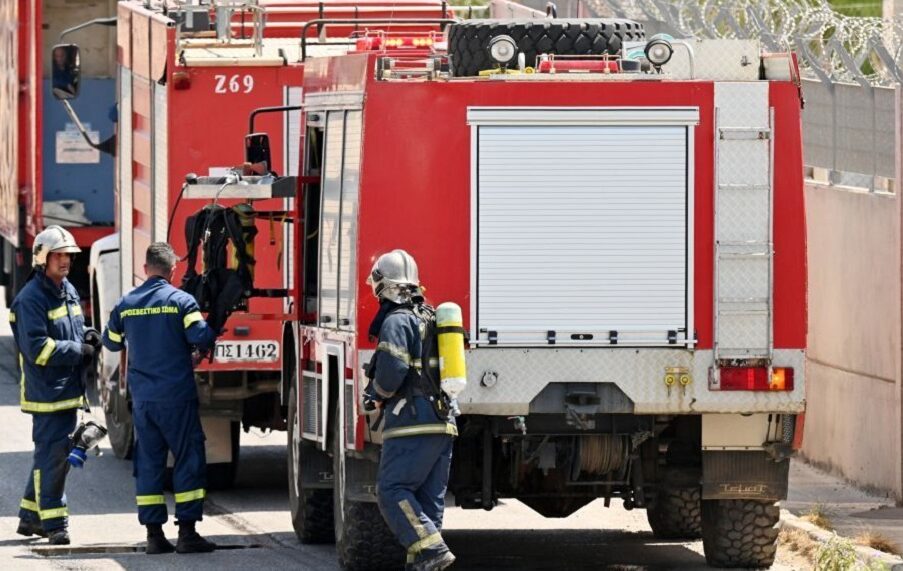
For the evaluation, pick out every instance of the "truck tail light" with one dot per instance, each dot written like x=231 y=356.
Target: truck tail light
x=756 y=379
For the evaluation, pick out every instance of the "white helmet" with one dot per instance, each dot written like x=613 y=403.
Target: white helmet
x=52 y=239
x=394 y=276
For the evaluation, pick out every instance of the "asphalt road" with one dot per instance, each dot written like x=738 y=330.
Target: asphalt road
x=251 y=522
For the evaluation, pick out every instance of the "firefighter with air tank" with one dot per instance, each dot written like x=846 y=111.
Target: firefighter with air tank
x=417 y=402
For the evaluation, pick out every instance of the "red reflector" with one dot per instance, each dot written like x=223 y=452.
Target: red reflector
x=756 y=379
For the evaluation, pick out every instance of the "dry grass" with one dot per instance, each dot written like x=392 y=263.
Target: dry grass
x=818 y=515
x=800 y=542
x=879 y=541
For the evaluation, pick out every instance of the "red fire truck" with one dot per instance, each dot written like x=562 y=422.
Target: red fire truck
x=48 y=174
x=625 y=230
x=189 y=78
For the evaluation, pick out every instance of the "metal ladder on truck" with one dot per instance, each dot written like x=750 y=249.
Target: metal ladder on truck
x=744 y=214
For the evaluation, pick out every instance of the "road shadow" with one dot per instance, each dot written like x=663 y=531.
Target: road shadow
x=567 y=549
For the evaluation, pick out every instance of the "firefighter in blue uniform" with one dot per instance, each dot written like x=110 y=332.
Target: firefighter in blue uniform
x=48 y=327
x=417 y=438
x=161 y=326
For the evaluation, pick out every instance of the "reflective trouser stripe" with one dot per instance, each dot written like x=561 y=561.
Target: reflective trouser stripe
x=412 y=518
x=415 y=548
x=183 y=497
x=28 y=505
x=418 y=430
x=151 y=500
x=54 y=513
x=45 y=514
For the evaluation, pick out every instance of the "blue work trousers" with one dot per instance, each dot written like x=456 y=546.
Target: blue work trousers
x=162 y=427
x=410 y=488
x=44 y=501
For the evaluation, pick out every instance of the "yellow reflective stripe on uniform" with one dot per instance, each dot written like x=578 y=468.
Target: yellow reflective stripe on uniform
x=57 y=313
x=183 y=497
x=152 y=500
x=37 y=489
x=54 y=513
x=114 y=337
x=141 y=311
x=412 y=518
x=419 y=429
x=398 y=352
x=29 y=406
x=415 y=548
x=12 y=317
x=46 y=352
x=76 y=310
x=192 y=317
x=28 y=505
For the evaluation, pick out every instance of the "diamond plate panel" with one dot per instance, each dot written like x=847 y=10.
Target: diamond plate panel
x=743 y=334
x=742 y=105
x=716 y=59
x=520 y=375
x=743 y=278
x=743 y=215
x=744 y=162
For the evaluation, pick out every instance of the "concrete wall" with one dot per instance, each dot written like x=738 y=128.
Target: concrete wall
x=853 y=386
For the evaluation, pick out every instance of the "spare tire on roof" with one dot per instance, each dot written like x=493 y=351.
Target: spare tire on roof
x=468 y=40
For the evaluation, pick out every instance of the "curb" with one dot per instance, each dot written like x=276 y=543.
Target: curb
x=820 y=535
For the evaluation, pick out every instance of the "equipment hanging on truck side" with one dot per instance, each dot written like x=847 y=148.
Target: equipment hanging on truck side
x=189 y=78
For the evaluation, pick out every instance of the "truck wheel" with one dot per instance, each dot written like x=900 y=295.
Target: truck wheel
x=739 y=533
x=311 y=509
x=363 y=541
x=221 y=476
x=676 y=513
x=468 y=41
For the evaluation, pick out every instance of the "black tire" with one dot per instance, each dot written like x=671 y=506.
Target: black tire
x=363 y=540
x=221 y=476
x=676 y=513
x=118 y=417
x=468 y=41
x=311 y=509
x=740 y=533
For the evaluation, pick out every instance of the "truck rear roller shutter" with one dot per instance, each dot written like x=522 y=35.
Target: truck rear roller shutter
x=582 y=230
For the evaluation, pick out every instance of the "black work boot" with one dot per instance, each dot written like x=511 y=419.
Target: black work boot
x=156 y=541
x=59 y=536
x=433 y=560
x=190 y=541
x=29 y=528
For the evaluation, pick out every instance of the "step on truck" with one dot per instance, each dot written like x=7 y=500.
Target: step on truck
x=622 y=220
x=190 y=77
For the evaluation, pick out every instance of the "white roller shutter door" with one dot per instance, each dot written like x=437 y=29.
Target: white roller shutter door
x=581 y=231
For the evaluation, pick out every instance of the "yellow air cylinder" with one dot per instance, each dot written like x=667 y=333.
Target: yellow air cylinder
x=452 y=368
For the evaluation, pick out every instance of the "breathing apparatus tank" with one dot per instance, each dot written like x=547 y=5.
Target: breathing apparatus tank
x=452 y=368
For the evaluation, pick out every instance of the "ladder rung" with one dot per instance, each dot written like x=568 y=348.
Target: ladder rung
x=744 y=187
x=741 y=255
x=732 y=354
x=744 y=300
x=744 y=133
x=734 y=312
x=743 y=243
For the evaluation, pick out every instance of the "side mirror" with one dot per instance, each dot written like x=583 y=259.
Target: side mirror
x=257 y=150
x=66 y=71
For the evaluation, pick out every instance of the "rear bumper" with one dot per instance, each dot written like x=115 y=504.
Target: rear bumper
x=521 y=374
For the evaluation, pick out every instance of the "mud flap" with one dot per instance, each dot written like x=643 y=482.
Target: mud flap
x=750 y=475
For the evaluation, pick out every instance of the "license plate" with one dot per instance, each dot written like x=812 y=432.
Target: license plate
x=256 y=351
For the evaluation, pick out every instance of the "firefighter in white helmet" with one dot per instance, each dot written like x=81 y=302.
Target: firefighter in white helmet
x=48 y=327
x=417 y=438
